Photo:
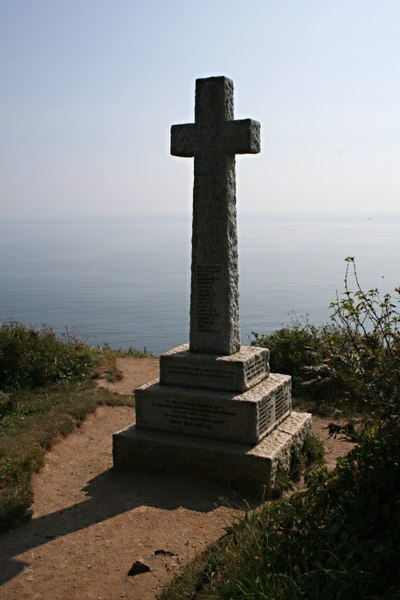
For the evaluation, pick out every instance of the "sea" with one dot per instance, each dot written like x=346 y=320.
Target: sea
x=125 y=281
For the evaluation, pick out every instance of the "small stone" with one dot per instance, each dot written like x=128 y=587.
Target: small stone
x=28 y=514
x=162 y=552
x=137 y=568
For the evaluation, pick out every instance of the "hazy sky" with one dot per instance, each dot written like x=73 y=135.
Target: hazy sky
x=90 y=88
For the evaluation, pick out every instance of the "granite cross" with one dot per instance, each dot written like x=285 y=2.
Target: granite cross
x=214 y=139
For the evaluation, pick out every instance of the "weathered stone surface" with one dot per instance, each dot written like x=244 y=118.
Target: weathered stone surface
x=213 y=140
x=215 y=411
x=240 y=464
x=236 y=372
x=243 y=418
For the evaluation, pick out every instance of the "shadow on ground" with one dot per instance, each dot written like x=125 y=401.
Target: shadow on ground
x=109 y=495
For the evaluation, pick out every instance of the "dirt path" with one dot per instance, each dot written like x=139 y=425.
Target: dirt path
x=90 y=524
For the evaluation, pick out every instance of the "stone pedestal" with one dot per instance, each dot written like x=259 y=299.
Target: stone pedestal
x=236 y=372
x=182 y=424
x=241 y=465
x=216 y=409
x=244 y=418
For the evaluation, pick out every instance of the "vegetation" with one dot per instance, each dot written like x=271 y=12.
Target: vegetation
x=108 y=368
x=46 y=389
x=131 y=352
x=338 y=539
x=31 y=357
x=340 y=536
x=301 y=350
x=351 y=363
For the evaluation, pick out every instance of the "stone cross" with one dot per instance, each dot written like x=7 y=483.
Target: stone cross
x=214 y=139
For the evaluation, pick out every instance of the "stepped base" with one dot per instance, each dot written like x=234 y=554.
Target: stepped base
x=250 y=467
x=244 y=418
x=236 y=372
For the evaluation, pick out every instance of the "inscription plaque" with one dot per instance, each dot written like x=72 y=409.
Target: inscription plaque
x=244 y=418
x=281 y=404
x=208 y=315
x=237 y=372
x=266 y=414
x=226 y=374
x=272 y=410
x=254 y=368
x=195 y=415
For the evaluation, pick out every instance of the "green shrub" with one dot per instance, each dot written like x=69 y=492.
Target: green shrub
x=302 y=350
x=35 y=357
x=366 y=358
x=313 y=451
x=338 y=539
x=43 y=394
x=6 y=404
x=352 y=363
x=37 y=417
x=292 y=348
x=341 y=537
x=304 y=461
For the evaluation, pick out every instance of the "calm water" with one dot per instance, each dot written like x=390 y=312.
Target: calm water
x=126 y=281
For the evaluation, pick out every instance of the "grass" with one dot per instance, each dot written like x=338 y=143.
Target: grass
x=46 y=390
x=109 y=369
x=338 y=539
x=32 y=420
x=302 y=350
x=34 y=357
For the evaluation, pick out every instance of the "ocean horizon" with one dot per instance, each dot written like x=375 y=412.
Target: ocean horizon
x=125 y=281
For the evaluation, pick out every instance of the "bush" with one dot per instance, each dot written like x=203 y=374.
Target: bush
x=353 y=362
x=42 y=397
x=6 y=404
x=366 y=359
x=303 y=351
x=35 y=357
x=340 y=538
x=36 y=418
x=304 y=461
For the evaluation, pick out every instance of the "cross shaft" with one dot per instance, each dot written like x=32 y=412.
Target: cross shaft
x=213 y=140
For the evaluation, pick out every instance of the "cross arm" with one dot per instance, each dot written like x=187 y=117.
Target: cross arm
x=242 y=136
x=183 y=139
x=230 y=137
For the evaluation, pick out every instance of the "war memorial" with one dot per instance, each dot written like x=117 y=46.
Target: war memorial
x=216 y=410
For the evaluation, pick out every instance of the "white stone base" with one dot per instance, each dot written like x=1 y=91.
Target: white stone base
x=242 y=465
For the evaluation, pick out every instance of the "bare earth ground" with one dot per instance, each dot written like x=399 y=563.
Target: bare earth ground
x=90 y=524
